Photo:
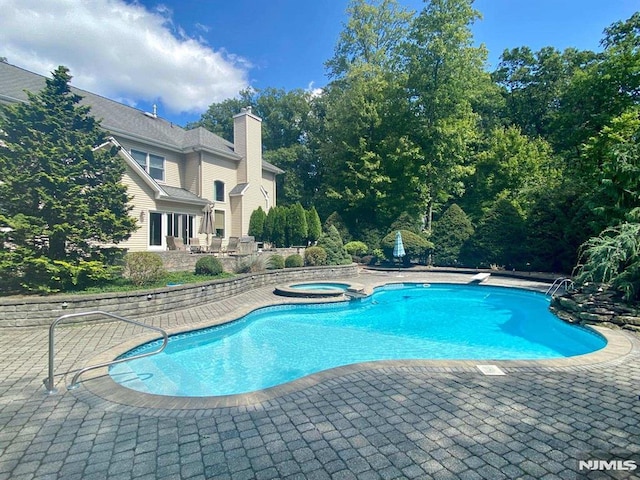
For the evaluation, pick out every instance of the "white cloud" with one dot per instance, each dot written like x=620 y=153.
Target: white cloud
x=120 y=50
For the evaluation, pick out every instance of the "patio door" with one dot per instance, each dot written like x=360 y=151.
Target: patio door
x=180 y=225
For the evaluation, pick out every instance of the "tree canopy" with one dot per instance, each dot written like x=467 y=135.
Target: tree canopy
x=61 y=190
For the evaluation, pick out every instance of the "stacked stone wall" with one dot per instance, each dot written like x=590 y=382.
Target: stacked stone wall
x=32 y=311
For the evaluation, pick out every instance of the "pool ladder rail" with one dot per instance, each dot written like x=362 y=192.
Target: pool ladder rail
x=49 y=382
x=561 y=282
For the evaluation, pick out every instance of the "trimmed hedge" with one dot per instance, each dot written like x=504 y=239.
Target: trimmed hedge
x=208 y=266
x=293 y=261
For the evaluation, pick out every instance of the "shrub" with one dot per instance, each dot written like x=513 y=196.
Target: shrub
x=314 y=256
x=297 y=229
x=142 y=268
x=256 y=224
x=613 y=258
x=415 y=246
x=293 y=261
x=250 y=265
x=275 y=262
x=314 y=227
x=498 y=239
x=336 y=220
x=332 y=243
x=356 y=248
x=449 y=234
x=368 y=260
x=208 y=266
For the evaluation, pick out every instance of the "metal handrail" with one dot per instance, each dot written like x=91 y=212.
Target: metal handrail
x=558 y=283
x=49 y=381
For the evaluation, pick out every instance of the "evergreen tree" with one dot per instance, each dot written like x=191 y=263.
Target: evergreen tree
x=499 y=238
x=332 y=244
x=61 y=195
x=314 y=227
x=296 y=225
x=256 y=224
x=449 y=234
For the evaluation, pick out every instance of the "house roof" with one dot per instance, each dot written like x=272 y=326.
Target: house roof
x=123 y=120
x=181 y=195
x=239 y=189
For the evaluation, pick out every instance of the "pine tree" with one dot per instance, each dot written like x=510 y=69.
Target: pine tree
x=61 y=196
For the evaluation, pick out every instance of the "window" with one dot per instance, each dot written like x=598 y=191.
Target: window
x=180 y=225
x=218 y=222
x=155 y=229
x=218 y=191
x=153 y=164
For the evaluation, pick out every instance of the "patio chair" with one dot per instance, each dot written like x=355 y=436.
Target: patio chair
x=194 y=245
x=175 y=243
x=216 y=245
x=232 y=246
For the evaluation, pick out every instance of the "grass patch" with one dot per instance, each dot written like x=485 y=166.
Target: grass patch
x=124 y=285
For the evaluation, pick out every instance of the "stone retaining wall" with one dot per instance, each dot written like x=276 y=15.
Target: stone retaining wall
x=593 y=306
x=31 y=311
x=175 y=261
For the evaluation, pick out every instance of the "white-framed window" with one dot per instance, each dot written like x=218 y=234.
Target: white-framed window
x=218 y=222
x=153 y=164
x=218 y=191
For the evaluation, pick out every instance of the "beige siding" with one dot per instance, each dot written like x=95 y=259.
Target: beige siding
x=191 y=180
x=216 y=168
x=269 y=184
x=172 y=161
x=143 y=200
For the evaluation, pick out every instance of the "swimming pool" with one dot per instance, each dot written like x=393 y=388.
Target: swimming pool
x=276 y=345
x=320 y=286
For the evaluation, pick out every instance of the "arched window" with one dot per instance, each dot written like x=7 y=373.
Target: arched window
x=218 y=191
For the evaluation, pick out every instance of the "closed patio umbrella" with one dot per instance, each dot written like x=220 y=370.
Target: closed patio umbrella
x=206 y=224
x=398 y=247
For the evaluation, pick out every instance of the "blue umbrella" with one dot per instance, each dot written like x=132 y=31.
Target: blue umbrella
x=398 y=247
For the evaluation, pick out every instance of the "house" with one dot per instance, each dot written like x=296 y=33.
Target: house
x=172 y=173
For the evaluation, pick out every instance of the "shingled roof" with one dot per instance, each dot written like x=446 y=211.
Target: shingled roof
x=123 y=120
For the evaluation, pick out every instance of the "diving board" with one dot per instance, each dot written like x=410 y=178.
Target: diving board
x=479 y=277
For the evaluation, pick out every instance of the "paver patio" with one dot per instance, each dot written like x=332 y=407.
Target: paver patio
x=411 y=420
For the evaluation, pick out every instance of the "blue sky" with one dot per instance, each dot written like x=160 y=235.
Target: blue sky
x=186 y=54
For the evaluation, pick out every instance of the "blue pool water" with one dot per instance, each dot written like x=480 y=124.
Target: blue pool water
x=276 y=345
x=320 y=286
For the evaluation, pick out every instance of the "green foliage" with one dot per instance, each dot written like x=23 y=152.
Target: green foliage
x=407 y=221
x=314 y=227
x=450 y=232
x=356 y=248
x=208 y=265
x=276 y=226
x=143 y=268
x=314 y=256
x=416 y=247
x=297 y=230
x=65 y=194
x=331 y=241
x=498 y=239
x=253 y=264
x=336 y=221
x=275 y=262
x=613 y=258
x=293 y=261
x=256 y=224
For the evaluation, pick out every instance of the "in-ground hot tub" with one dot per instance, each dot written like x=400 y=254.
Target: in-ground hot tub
x=317 y=289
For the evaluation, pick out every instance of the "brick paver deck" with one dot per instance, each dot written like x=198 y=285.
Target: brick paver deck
x=381 y=421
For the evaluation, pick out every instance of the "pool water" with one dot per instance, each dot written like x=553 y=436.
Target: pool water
x=276 y=345
x=319 y=286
